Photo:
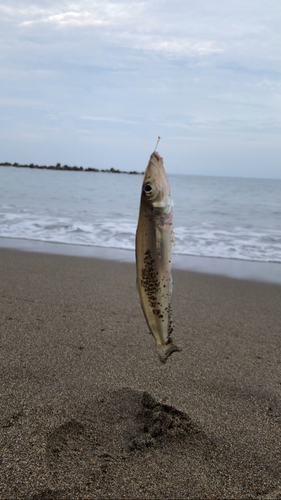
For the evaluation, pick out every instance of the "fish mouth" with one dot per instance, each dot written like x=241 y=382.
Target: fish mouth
x=156 y=155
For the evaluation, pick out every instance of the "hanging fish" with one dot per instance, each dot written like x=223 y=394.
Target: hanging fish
x=154 y=240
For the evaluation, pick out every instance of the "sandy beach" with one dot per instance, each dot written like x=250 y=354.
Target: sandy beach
x=89 y=412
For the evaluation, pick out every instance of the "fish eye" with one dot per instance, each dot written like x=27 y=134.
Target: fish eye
x=147 y=188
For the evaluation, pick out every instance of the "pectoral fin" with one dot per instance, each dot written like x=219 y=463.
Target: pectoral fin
x=158 y=234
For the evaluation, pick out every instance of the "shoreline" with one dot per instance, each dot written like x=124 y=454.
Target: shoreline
x=64 y=168
x=265 y=272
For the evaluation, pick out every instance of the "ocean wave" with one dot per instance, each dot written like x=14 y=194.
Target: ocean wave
x=204 y=239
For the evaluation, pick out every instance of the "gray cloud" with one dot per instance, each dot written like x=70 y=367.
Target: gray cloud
x=207 y=72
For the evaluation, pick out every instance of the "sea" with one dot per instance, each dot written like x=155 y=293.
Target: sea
x=237 y=219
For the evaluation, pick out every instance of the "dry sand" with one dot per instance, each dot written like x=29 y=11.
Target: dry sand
x=88 y=411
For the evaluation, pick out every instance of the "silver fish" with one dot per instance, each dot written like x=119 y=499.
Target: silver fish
x=154 y=240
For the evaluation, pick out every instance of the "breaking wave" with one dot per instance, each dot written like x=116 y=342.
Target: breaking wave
x=202 y=239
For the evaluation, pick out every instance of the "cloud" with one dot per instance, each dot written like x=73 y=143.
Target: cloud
x=169 y=46
x=108 y=119
x=130 y=25
x=173 y=31
x=205 y=71
x=87 y=14
x=70 y=19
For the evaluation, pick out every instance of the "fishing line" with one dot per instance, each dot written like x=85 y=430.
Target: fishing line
x=159 y=137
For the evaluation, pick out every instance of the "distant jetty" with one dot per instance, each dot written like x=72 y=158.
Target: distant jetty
x=72 y=169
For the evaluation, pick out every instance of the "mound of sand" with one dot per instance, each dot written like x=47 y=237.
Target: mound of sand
x=123 y=444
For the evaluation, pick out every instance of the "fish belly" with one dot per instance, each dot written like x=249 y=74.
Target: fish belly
x=153 y=257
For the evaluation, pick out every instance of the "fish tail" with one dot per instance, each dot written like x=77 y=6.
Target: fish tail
x=165 y=352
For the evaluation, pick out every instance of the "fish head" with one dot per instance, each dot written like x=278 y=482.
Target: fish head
x=156 y=191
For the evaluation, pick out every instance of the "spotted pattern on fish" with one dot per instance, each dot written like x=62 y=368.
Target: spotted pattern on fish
x=171 y=324
x=150 y=281
x=152 y=286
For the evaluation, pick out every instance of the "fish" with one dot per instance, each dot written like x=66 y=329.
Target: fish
x=154 y=241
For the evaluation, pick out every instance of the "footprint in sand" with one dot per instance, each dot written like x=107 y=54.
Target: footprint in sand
x=110 y=430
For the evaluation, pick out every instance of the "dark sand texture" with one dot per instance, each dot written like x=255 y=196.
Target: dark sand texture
x=87 y=409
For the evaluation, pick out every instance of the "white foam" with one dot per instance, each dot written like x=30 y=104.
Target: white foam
x=206 y=240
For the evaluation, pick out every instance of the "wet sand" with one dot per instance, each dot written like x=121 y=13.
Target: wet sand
x=87 y=409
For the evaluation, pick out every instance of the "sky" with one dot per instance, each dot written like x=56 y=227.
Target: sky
x=94 y=83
